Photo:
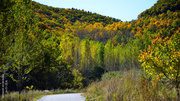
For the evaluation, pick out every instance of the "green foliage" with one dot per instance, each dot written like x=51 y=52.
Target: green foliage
x=77 y=79
x=52 y=71
x=176 y=23
x=162 y=6
x=109 y=75
x=96 y=73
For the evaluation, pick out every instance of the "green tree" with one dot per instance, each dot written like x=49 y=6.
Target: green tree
x=108 y=56
x=100 y=55
x=19 y=38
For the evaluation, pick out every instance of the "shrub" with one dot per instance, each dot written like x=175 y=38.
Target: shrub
x=129 y=86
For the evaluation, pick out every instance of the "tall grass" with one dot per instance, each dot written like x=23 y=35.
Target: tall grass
x=129 y=86
x=33 y=95
x=24 y=96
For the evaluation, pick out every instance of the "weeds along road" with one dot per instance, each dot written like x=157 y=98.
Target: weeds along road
x=63 y=97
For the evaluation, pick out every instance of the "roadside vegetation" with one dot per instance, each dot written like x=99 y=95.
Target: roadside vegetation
x=33 y=95
x=131 y=85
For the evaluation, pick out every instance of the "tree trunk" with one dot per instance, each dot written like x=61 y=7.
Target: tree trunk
x=19 y=81
x=177 y=89
x=177 y=86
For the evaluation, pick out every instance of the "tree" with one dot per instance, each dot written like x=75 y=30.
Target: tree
x=108 y=56
x=163 y=57
x=100 y=55
x=19 y=39
x=85 y=56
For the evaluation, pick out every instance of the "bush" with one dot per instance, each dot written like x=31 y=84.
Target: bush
x=129 y=86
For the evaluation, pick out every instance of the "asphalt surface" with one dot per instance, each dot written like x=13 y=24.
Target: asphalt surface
x=63 y=97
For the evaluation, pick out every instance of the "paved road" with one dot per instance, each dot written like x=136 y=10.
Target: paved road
x=63 y=97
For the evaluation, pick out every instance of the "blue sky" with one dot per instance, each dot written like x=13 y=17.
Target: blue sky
x=125 y=10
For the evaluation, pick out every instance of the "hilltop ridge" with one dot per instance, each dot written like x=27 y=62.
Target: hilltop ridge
x=59 y=16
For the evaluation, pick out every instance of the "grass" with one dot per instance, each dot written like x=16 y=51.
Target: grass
x=33 y=95
x=129 y=86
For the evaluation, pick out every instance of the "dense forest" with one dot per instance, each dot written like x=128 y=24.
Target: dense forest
x=50 y=48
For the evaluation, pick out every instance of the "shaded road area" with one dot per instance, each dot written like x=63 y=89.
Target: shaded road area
x=63 y=97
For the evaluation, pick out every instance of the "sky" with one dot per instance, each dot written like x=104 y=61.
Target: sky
x=125 y=10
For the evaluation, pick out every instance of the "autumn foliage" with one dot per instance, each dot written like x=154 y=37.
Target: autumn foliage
x=163 y=57
x=70 y=48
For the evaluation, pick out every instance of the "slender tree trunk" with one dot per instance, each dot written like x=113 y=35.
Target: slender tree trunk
x=177 y=85
x=20 y=80
x=177 y=89
x=20 y=69
x=3 y=85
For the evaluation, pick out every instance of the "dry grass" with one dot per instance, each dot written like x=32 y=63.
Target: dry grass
x=129 y=86
x=33 y=95
x=24 y=96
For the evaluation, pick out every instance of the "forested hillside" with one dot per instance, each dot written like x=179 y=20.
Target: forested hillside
x=53 y=48
x=57 y=17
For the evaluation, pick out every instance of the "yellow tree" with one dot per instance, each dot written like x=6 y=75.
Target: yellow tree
x=163 y=57
x=93 y=51
x=67 y=44
x=85 y=56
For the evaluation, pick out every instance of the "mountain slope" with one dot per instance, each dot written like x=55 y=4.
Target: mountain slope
x=57 y=17
x=162 y=6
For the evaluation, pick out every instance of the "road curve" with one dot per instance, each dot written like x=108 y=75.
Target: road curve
x=63 y=97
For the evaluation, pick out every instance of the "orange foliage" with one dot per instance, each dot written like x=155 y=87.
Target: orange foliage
x=46 y=27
